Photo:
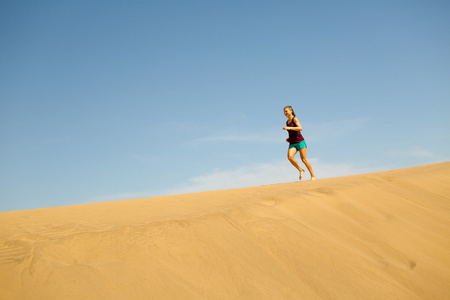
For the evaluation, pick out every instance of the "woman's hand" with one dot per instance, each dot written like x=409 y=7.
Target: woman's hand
x=285 y=128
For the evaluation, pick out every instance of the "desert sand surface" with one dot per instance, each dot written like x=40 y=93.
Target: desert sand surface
x=382 y=235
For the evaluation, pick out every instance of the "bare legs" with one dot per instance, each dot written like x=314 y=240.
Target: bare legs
x=291 y=154
x=306 y=162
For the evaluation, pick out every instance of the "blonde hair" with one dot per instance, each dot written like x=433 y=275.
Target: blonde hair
x=290 y=107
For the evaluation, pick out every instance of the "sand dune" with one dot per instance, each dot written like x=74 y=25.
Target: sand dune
x=383 y=236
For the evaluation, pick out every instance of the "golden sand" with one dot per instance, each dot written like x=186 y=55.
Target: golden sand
x=382 y=235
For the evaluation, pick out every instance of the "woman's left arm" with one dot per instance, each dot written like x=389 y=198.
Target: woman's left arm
x=297 y=123
x=299 y=126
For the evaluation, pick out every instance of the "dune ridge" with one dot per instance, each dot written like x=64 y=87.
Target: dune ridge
x=383 y=235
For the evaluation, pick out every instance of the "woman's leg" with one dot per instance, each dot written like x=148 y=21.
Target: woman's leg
x=306 y=162
x=291 y=154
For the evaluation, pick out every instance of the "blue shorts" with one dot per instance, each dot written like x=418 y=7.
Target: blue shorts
x=298 y=146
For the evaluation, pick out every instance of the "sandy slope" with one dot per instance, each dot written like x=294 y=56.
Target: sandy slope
x=374 y=236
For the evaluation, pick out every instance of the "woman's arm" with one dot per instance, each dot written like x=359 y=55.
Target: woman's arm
x=296 y=122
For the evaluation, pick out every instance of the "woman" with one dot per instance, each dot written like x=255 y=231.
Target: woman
x=296 y=142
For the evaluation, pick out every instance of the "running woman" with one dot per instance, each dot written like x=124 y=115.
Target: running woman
x=296 y=142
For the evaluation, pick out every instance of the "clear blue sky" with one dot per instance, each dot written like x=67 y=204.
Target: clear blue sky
x=111 y=100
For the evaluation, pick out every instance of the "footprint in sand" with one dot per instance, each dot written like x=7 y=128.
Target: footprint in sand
x=267 y=201
x=412 y=265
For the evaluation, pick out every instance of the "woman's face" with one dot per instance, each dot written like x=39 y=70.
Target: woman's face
x=287 y=112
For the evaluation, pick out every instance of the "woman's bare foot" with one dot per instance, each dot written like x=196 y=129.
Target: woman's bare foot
x=313 y=178
x=301 y=173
